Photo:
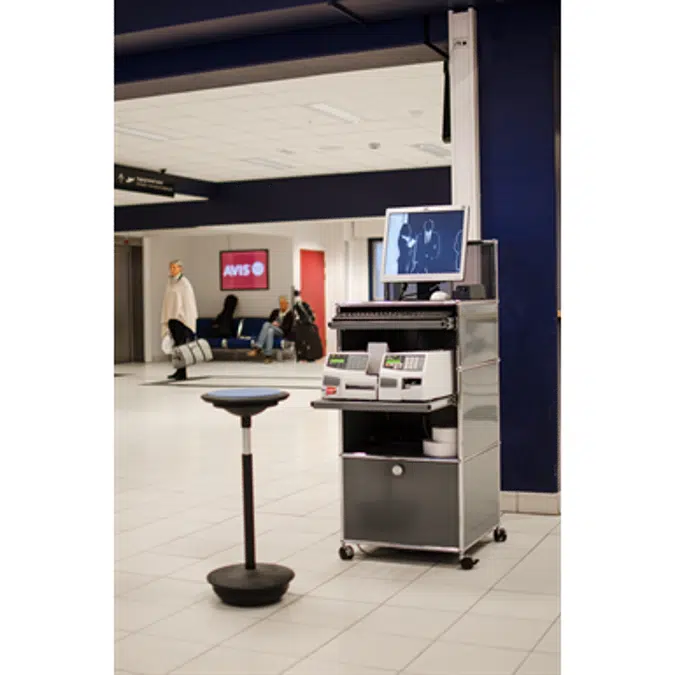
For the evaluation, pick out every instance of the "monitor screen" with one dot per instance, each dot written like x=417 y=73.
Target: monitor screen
x=244 y=270
x=425 y=244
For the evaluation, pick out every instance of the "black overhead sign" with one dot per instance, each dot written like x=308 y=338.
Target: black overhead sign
x=134 y=180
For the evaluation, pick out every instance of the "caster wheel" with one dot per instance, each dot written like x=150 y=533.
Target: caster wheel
x=468 y=563
x=346 y=552
x=499 y=534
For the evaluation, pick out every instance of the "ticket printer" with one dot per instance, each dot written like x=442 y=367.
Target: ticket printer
x=416 y=376
x=346 y=376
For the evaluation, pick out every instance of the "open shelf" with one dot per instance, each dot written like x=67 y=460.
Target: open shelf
x=420 y=324
x=385 y=406
x=400 y=458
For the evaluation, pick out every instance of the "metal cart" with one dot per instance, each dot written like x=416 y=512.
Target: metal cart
x=392 y=494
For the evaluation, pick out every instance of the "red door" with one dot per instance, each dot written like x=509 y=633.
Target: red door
x=313 y=287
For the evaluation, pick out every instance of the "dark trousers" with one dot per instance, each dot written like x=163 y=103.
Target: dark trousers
x=181 y=334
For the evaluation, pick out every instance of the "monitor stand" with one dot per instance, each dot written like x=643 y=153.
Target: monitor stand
x=424 y=291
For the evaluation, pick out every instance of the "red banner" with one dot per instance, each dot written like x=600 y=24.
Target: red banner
x=244 y=270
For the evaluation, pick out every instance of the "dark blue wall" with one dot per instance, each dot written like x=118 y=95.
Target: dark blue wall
x=351 y=195
x=518 y=190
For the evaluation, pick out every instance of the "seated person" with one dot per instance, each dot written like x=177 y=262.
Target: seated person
x=225 y=325
x=279 y=324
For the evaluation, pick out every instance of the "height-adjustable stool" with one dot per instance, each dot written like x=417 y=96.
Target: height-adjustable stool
x=250 y=584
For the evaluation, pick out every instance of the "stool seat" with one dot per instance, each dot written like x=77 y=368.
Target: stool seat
x=245 y=402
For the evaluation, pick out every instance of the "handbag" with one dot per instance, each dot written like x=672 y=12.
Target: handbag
x=197 y=351
x=167 y=345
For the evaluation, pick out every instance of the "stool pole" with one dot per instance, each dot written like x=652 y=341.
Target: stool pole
x=247 y=482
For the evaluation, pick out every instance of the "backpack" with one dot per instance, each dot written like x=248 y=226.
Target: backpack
x=303 y=313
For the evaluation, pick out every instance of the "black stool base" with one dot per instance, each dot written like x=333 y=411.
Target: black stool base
x=265 y=585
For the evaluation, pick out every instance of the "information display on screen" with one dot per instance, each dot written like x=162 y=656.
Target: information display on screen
x=244 y=270
x=425 y=244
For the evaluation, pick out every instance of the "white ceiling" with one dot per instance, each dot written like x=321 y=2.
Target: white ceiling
x=268 y=130
x=127 y=198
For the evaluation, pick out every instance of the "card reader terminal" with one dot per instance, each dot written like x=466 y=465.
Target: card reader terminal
x=346 y=376
x=416 y=376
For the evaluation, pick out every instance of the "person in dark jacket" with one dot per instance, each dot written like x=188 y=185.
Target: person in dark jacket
x=279 y=324
x=224 y=325
x=428 y=249
x=406 y=249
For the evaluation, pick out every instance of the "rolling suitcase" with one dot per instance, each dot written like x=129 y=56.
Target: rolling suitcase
x=197 y=351
x=308 y=345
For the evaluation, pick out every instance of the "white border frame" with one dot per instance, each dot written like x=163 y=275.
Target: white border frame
x=425 y=278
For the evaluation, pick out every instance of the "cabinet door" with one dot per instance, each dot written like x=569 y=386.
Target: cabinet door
x=424 y=503
x=366 y=499
x=405 y=503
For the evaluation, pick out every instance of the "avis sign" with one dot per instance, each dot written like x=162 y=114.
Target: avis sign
x=244 y=270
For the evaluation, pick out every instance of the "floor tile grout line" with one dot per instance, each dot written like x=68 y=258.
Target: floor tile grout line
x=265 y=374
x=190 y=534
x=209 y=647
x=340 y=573
x=231 y=636
x=522 y=560
x=190 y=385
x=381 y=604
x=462 y=615
x=546 y=632
x=173 y=515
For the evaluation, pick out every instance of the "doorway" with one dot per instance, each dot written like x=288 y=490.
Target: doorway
x=129 y=301
x=313 y=287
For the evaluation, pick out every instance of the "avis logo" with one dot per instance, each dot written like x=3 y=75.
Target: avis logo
x=257 y=268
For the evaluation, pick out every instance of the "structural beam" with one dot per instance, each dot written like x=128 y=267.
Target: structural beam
x=159 y=24
x=300 y=53
x=295 y=199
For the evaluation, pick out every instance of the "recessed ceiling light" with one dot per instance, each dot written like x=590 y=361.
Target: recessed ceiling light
x=431 y=149
x=269 y=163
x=334 y=112
x=127 y=131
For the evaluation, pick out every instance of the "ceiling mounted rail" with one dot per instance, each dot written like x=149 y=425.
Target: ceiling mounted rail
x=346 y=11
x=427 y=39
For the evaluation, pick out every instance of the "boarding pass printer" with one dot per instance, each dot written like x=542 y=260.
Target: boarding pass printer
x=418 y=376
x=380 y=375
x=346 y=376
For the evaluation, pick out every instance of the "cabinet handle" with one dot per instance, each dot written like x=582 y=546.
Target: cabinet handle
x=397 y=470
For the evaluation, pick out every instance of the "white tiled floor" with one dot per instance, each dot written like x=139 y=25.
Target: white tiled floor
x=177 y=465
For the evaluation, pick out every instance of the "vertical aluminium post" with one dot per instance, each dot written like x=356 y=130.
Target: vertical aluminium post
x=247 y=482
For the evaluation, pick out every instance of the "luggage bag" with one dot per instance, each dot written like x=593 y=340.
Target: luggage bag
x=308 y=345
x=197 y=351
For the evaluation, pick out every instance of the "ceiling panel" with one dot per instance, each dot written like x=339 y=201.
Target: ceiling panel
x=270 y=130
x=129 y=198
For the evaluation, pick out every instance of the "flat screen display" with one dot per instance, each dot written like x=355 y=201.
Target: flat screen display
x=244 y=270
x=425 y=244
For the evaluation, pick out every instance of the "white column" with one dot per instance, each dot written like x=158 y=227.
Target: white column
x=462 y=43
